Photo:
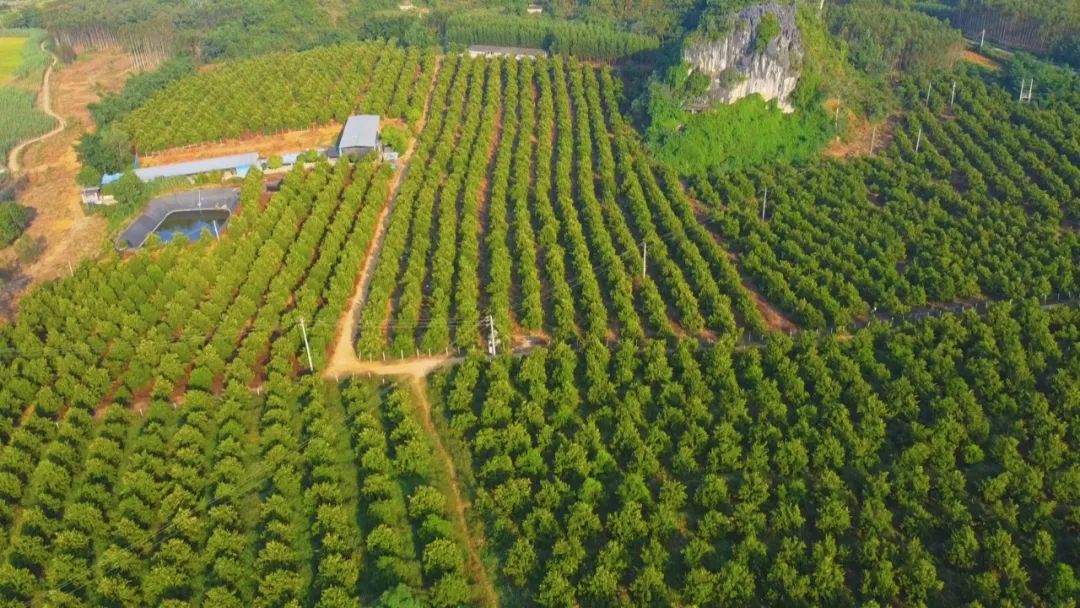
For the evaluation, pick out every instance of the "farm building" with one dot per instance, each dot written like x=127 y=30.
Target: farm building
x=482 y=50
x=91 y=196
x=237 y=164
x=360 y=135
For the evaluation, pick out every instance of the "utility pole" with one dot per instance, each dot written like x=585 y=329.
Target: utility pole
x=873 y=140
x=918 y=142
x=928 y=87
x=644 y=257
x=493 y=337
x=836 y=119
x=1023 y=81
x=952 y=99
x=764 y=201
x=217 y=235
x=982 y=40
x=307 y=347
x=71 y=271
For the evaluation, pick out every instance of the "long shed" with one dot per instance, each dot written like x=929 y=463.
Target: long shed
x=485 y=50
x=237 y=163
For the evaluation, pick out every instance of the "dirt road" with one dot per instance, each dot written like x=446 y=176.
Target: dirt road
x=343 y=360
x=51 y=166
x=416 y=368
x=45 y=104
x=456 y=504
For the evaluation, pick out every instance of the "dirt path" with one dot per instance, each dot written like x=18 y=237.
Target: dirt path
x=61 y=223
x=343 y=360
x=457 y=504
x=45 y=104
x=410 y=369
x=774 y=318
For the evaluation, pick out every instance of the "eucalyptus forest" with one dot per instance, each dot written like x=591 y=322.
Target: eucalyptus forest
x=536 y=356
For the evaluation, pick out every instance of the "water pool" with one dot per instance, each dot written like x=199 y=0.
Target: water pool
x=191 y=223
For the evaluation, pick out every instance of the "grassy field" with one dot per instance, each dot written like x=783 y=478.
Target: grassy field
x=11 y=55
x=19 y=119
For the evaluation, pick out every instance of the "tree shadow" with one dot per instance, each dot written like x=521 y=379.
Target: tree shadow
x=13 y=281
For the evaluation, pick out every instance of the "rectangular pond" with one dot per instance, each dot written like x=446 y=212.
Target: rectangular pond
x=180 y=213
x=192 y=224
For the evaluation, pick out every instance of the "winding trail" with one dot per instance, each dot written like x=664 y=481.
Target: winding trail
x=457 y=504
x=45 y=104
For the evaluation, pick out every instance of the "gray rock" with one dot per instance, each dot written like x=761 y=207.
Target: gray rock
x=736 y=68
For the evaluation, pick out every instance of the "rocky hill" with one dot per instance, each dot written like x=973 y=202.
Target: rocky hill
x=761 y=51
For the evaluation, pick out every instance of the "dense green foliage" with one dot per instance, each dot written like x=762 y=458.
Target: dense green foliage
x=282 y=91
x=688 y=132
x=596 y=40
x=103 y=506
x=1050 y=27
x=230 y=29
x=224 y=29
x=746 y=133
x=166 y=440
x=653 y=17
x=884 y=39
x=936 y=465
x=137 y=90
x=528 y=199
x=980 y=210
x=767 y=30
x=14 y=219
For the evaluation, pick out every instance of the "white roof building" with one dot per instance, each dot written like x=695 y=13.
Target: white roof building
x=361 y=134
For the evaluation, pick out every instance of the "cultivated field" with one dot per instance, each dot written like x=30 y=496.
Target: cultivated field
x=11 y=48
x=528 y=200
x=171 y=432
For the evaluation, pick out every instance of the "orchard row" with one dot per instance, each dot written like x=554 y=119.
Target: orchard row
x=284 y=91
x=935 y=464
x=529 y=200
x=976 y=200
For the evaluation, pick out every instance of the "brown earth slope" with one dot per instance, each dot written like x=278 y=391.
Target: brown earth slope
x=69 y=234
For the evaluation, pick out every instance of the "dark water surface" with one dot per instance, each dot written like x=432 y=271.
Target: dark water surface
x=191 y=223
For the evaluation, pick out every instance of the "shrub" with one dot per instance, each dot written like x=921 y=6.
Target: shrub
x=769 y=29
x=13 y=221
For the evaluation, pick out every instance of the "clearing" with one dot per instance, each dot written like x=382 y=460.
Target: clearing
x=861 y=134
x=980 y=60
x=68 y=232
x=11 y=48
x=266 y=145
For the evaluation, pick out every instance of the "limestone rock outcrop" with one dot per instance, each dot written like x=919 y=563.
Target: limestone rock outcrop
x=739 y=65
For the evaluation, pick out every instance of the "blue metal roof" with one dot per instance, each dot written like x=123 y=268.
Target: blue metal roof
x=360 y=132
x=195 y=167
